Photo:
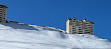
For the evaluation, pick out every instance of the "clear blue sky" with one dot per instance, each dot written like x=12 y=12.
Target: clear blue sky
x=54 y=13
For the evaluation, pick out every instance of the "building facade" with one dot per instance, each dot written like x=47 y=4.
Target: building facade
x=74 y=26
x=3 y=11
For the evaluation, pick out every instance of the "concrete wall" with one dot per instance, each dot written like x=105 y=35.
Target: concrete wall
x=67 y=26
x=3 y=11
x=74 y=26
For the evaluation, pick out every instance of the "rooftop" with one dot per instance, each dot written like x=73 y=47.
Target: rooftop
x=4 y=6
x=79 y=20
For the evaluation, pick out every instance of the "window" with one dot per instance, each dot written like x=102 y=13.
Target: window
x=1 y=8
x=87 y=32
x=74 y=32
x=88 y=25
x=91 y=31
x=80 y=29
x=73 y=28
x=80 y=33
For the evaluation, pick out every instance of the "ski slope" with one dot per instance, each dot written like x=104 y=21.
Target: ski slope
x=22 y=36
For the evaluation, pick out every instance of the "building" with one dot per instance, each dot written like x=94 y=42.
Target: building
x=3 y=10
x=74 y=26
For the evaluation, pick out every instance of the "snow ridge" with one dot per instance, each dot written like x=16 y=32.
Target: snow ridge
x=22 y=36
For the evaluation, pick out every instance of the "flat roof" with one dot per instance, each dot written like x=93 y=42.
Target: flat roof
x=4 y=6
x=80 y=20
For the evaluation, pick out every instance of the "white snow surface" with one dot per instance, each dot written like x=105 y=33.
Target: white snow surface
x=22 y=36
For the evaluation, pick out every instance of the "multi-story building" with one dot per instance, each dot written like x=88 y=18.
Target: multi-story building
x=74 y=26
x=3 y=10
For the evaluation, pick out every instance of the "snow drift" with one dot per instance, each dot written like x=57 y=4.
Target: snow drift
x=21 y=36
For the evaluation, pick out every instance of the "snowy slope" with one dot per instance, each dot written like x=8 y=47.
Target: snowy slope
x=20 y=36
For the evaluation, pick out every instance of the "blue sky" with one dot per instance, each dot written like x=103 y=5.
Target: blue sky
x=54 y=13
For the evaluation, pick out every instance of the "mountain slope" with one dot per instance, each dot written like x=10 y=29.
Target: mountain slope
x=21 y=36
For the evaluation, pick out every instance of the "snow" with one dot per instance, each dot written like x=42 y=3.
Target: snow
x=21 y=36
